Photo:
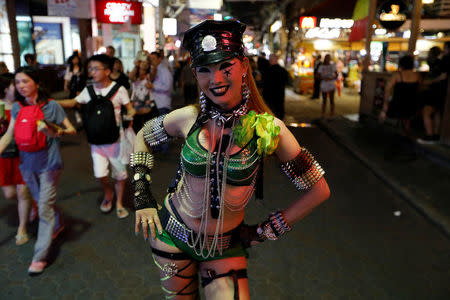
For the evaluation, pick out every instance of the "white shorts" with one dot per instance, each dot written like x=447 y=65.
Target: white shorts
x=103 y=156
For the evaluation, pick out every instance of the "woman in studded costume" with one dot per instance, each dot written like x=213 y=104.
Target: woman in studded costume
x=200 y=228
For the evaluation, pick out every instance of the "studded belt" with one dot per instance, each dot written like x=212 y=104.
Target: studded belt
x=176 y=228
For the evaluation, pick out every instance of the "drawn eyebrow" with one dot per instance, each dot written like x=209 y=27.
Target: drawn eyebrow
x=202 y=70
x=226 y=65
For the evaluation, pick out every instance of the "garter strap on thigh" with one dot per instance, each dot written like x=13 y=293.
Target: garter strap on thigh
x=177 y=256
x=234 y=274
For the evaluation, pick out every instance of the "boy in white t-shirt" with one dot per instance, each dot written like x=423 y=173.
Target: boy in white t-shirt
x=103 y=156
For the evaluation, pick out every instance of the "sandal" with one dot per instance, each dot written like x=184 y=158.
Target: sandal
x=122 y=213
x=106 y=206
x=22 y=239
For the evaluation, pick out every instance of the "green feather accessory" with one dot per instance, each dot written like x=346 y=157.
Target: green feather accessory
x=265 y=128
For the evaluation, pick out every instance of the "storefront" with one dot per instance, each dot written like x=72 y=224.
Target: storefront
x=320 y=36
x=6 y=48
x=331 y=36
x=49 y=29
x=118 y=24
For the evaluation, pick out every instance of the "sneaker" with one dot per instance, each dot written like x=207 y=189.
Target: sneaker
x=36 y=267
x=427 y=140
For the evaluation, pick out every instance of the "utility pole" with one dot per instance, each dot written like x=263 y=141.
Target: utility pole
x=370 y=21
x=415 y=22
x=161 y=13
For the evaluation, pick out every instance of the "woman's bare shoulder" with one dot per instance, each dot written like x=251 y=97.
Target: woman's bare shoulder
x=178 y=122
x=288 y=146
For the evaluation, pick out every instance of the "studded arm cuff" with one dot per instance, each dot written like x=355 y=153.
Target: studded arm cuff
x=304 y=171
x=154 y=132
x=141 y=163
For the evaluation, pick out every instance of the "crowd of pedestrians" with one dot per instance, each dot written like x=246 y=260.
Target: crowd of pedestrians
x=409 y=93
x=31 y=124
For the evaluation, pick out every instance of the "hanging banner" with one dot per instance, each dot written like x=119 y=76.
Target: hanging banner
x=360 y=16
x=118 y=12
x=79 y=9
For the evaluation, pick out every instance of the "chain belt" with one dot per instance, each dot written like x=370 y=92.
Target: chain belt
x=180 y=231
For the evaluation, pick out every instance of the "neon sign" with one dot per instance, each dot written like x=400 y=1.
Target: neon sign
x=323 y=33
x=336 y=23
x=118 y=11
x=392 y=14
x=308 y=22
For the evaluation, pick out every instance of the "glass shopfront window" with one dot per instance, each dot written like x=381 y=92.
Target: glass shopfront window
x=6 y=52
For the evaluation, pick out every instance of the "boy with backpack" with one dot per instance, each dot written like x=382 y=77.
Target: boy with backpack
x=101 y=106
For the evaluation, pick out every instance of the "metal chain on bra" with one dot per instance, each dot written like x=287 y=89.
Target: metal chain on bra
x=198 y=243
x=246 y=198
x=187 y=204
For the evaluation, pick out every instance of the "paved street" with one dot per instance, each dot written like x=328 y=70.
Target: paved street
x=351 y=247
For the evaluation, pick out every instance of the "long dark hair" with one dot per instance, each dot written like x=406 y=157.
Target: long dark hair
x=33 y=73
x=71 y=65
x=5 y=81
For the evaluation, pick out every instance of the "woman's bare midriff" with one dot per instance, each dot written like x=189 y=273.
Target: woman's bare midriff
x=231 y=218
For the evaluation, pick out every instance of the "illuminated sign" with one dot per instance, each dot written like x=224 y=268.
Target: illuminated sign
x=392 y=14
x=275 y=26
x=336 y=23
x=170 y=26
x=118 y=12
x=323 y=33
x=308 y=22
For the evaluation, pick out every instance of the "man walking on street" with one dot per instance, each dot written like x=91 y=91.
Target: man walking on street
x=275 y=81
x=102 y=129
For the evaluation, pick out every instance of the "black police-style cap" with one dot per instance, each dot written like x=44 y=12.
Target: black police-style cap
x=214 y=41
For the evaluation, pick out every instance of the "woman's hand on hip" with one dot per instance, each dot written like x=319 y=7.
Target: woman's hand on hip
x=148 y=219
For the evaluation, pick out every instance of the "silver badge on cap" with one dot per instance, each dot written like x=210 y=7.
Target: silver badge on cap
x=209 y=43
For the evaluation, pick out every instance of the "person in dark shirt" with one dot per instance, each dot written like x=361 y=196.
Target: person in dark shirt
x=263 y=63
x=275 y=80
x=317 y=64
x=118 y=75
x=434 y=97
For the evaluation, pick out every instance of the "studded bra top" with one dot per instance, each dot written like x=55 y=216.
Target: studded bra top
x=242 y=166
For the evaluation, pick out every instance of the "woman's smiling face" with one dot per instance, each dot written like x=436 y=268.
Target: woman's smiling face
x=222 y=82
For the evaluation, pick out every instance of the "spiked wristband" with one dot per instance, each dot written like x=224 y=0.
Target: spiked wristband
x=274 y=227
x=141 y=163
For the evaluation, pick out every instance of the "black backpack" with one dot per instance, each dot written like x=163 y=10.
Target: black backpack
x=99 y=119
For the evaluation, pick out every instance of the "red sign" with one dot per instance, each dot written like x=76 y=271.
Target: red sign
x=308 y=22
x=114 y=11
